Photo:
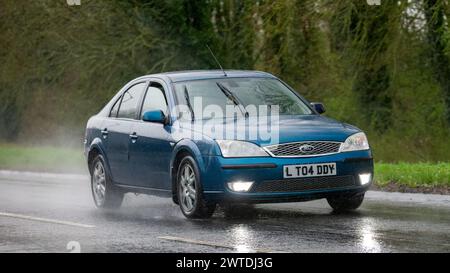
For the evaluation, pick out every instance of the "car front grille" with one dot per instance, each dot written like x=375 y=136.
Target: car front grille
x=304 y=184
x=304 y=149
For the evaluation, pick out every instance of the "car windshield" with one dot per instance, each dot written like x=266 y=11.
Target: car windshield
x=221 y=94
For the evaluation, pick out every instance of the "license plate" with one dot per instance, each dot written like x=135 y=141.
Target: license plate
x=309 y=170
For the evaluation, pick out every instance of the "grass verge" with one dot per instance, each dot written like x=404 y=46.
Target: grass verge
x=413 y=177
x=43 y=159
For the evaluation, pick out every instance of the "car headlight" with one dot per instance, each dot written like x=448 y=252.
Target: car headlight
x=356 y=142
x=235 y=148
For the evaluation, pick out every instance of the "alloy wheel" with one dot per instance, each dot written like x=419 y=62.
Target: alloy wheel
x=99 y=183
x=188 y=192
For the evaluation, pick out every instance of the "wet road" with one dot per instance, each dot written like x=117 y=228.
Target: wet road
x=43 y=213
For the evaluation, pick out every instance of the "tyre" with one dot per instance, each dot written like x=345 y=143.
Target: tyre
x=345 y=203
x=105 y=194
x=190 y=193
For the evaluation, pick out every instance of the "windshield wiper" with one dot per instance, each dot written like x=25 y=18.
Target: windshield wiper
x=188 y=102
x=230 y=95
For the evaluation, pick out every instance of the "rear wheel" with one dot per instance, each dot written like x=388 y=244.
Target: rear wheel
x=345 y=203
x=190 y=193
x=105 y=194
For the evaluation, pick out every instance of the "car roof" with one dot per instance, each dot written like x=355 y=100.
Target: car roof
x=179 y=76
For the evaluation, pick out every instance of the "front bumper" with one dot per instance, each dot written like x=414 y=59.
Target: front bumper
x=218 y=171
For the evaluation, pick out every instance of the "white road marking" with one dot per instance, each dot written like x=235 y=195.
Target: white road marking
x=45 y=220
x=212 y=244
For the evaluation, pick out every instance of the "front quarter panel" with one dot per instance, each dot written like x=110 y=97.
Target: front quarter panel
x=189 y=146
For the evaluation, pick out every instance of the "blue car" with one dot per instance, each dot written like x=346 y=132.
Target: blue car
x=205 y=138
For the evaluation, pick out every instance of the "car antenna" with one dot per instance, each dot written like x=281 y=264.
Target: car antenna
x=217 y=61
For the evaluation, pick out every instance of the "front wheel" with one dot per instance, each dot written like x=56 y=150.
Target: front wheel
x=105 y=194
x=190 y=194
x=345 y=203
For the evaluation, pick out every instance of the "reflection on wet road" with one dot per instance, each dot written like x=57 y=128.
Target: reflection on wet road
x=385 y=223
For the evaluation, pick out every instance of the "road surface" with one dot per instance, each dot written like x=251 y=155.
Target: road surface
x=55 y=213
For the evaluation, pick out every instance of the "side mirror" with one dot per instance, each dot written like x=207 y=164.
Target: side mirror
x=154 y=116
x=319 y=107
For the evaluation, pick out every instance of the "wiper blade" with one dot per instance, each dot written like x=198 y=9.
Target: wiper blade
x=188 y=101
x=230 y=95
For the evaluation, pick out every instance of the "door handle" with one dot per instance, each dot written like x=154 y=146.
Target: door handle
x=105 y=133
x=133 y=137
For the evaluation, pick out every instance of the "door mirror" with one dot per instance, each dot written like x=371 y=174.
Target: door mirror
x=154 y=116
x=319 y=107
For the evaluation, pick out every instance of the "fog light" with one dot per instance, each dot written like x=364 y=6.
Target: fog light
x=364 y=178
x=240 y=186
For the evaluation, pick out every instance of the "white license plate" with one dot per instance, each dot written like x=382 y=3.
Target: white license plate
x=309 y=170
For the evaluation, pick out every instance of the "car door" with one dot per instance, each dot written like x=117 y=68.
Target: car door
x=117 y=132
x=151 y=152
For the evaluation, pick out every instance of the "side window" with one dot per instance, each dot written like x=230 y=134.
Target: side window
x=128 y=107
x=115 y=108
x=154 y=99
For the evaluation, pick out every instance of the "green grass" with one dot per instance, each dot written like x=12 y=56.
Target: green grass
x=413 y=174
x=48 y=159
x=51 y=159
